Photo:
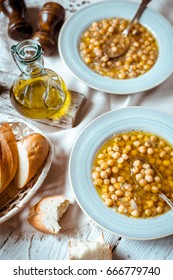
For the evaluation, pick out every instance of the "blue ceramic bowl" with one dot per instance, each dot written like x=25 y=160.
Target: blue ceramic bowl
x=71 y=31
x=80 y=166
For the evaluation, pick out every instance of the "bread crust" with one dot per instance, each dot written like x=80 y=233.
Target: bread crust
x=37 y=215
x=8 y=156
x=36 y=220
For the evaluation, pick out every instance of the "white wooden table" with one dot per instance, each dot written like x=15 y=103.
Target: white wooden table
x=19 y=241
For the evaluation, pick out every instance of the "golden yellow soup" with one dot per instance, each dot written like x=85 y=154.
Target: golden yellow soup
x=128 y=184
x=140 y=57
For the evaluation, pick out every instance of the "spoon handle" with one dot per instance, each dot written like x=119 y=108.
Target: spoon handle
x=168 y=201
x=141 y=8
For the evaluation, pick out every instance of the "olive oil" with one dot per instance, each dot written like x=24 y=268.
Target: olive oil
x=113 y=180
x=38 y=92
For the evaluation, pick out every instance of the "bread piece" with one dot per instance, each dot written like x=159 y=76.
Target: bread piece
x=8 y=156
x=86 y=250
x=33 y=151
x=45 y=215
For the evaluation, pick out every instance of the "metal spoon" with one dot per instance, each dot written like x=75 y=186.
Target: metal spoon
x=156 y=173
x=118 y=44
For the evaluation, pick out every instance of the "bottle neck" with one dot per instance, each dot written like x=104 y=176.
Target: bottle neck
x=33 y=68
x=28 y=57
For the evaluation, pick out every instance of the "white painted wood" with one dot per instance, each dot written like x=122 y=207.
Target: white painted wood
x=33 y=245
x=160 y=249
x=38 y=246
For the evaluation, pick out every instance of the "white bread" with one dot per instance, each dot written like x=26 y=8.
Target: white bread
x=87 y=250
x=8 y=156
x=45 y=215
x=32 y=151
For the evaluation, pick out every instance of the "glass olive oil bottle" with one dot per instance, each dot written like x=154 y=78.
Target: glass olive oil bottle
x=38 y=92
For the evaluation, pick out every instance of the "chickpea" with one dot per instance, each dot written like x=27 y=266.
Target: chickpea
x=150 y=203
x=108 y=170
x=116 y=148
x=135 y=213
x=111 y=162
x=157 y=179
x=121 y=179
x=138 y=177
x=127 y=194
x=108 y=202
x=128 y=187
x=120 y=160
x=121 y=208
x=113 y=180
x=101 y=156
x=98 y=169
x=147 y=144
x=162 y=154
x=159 y=209
x=149 y=178
x=142 y=149
x=167 y=149
x=117 y=186
x=125 y=156
x=104 y=165
x=98 y=182
x=137 y=163
x=103 y=174
x=147 y=188
x=119 y=192
x=128 y=147
x=150 y=151
x=149 y=171
x=142 y=182
x=126 y=137
x=162 y=143
x=111 y=189
x=115 y=169
x=135 y=170
x=148 y=212
x=96 y=175
x=137 y=143
x=100 y=161
x=114 y=197
x=166 y=163
x=116 y=155
x=105 y=195
x=146 y=166
x=154 y=189
x=106 y=181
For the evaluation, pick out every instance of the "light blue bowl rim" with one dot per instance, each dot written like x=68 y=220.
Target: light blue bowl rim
x=81 y=158
x=72 y=29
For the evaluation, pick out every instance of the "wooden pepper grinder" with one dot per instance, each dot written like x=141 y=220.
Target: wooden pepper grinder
x=51 y=18
x=18 y=29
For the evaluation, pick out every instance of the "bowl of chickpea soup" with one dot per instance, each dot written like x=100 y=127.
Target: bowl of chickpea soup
x=120 y=164
x=147 y=62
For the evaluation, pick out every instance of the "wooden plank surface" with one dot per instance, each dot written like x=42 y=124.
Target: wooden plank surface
x=38 y=246
x=15 y=244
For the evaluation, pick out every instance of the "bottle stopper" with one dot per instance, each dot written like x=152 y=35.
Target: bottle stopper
x=18 y=29
x=50 y=20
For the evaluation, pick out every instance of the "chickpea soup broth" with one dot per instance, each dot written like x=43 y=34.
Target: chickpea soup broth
x=130 y=170
x=139 y=58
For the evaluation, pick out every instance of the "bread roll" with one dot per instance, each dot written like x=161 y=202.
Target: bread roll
x=45 y=215
x=86 y=250
x=32 y=151
x=8 y=156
